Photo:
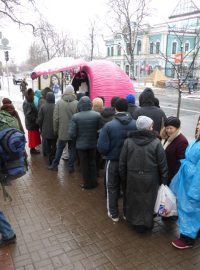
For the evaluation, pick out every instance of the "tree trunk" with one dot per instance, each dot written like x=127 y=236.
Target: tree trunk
x=179 y=102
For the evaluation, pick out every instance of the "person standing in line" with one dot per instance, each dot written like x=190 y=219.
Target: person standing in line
x=31 y=114
x=23 y=87
x=142 y=167
x=8 y=106
x=41 y=101
x=45 y=121
x=131 y=104
x=84 y=129
x=148 y=108
x=65 y=108
x=174 y=144
x=186 y=187
x=110 y=142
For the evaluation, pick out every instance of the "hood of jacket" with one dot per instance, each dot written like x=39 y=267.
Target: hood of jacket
x=124 y=117
x=146 y=98
x=68 y=97
x=37 y=93
x=50 y=97
x=142 y=137
x=45 y=91
x=108 y=112
x=84 y=104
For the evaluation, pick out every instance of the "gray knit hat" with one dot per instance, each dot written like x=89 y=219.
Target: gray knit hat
x=69 y=90
x=144 y=122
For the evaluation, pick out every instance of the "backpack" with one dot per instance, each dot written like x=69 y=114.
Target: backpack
x=7 y=120
x=13 y=157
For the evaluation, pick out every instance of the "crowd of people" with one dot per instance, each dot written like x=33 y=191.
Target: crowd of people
x=138 y=146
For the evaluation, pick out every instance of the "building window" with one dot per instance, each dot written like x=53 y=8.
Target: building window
x=174 y=47
x=151 y=48
x=127 y=69
x=108 y=51
x=119 y=50
x=139 y=46
x=157 y=47
x=186 y=47
x=112 y=51
x=128 y=48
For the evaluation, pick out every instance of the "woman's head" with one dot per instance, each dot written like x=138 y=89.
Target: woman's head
x=197 y=133
x=29 y=95
x=97 y=104
x=55 y=80
x=172 y=124
x=144 y=123
x=6 y=101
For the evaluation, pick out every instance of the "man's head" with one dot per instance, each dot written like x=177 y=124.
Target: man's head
x=121 y=105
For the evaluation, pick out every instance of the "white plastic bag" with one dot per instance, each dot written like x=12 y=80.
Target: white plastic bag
x=166 y=202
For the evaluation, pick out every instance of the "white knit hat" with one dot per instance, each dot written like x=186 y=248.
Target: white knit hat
x=69 y=90
x=144 y=122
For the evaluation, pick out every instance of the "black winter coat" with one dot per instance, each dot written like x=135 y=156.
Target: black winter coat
x=31 y=114
x=85 y=125
x=45 y=117
x=142 y=167
x=148 y=108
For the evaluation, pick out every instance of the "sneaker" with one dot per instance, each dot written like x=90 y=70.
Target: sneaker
x=5 y=242
x=113 y=219
x=84 y=186
x=180 y=244
x=52 y=168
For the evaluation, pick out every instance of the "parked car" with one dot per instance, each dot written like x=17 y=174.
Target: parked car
x=17 y=78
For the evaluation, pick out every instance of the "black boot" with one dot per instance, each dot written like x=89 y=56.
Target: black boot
x=34 y=151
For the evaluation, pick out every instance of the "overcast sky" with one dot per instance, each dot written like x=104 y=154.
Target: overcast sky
x=73 y=16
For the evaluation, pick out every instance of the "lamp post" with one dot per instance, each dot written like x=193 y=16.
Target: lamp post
x=180 y=81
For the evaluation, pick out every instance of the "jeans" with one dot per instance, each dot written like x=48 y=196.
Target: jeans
x=5 y=227
x=59 y=150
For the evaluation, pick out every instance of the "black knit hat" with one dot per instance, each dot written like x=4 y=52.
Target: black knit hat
x=172 y=121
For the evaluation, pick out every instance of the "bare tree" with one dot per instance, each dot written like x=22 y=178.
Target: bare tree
x=177 y=65
x=10 y=9
x=36 y=55
x=54 y=43
x=129 y=16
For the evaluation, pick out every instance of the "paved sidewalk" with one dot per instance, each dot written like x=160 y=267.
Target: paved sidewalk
x=59 y=226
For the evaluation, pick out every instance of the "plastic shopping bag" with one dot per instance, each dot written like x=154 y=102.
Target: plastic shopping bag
x=166 y=202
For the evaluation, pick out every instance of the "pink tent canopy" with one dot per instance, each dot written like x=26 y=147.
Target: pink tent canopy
x=55 y=65
x=107 y=79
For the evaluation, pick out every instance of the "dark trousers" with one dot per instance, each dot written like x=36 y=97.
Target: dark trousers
x=113 y=182
x=51 y=149
x=88 y=166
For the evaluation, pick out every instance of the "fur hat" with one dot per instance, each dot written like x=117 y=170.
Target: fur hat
x=69 y=90
x=144 y=122
x=6 y=101
x=130 y=98
x=172 y=121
